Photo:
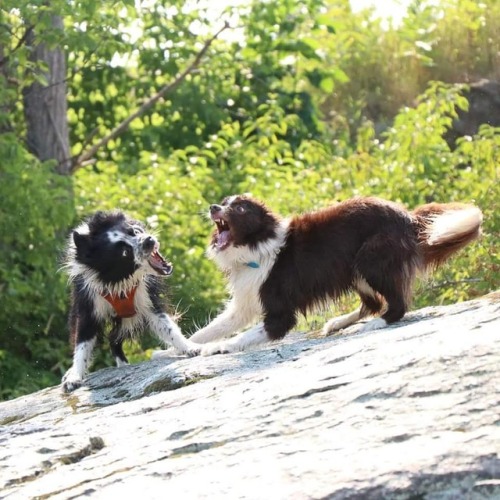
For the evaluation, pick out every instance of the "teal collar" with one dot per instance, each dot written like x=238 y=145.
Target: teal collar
x=252 y=264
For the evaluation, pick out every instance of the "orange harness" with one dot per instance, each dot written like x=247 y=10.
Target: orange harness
x=123 y=304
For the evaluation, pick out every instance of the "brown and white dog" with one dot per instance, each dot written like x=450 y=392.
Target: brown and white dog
x=278 y=267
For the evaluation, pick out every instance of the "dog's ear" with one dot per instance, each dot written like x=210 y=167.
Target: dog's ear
x=81 y=241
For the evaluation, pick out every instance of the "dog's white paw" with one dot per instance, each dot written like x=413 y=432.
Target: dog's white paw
x=333 y=326
x=190 y=349
x=213 y=348
x=341 y=322
x=71 y=381
x=164 y=353
x=374 y=324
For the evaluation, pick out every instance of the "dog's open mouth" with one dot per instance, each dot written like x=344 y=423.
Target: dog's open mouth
x=223 y=237
x=159 y=264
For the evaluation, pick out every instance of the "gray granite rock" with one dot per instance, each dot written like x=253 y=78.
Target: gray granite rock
x=408 y=412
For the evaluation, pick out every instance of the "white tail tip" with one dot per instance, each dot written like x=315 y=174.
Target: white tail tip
x=449 y=225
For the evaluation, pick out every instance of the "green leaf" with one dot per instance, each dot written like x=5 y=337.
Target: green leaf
x=327 y=84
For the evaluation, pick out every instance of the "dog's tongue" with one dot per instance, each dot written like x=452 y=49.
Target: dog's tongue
x=159 y=264
x=223 y=239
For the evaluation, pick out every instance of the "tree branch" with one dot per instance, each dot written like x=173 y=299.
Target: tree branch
x=87 y=155
x=19 y=44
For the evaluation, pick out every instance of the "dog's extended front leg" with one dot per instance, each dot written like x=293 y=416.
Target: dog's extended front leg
x=233 y=318
x=87 y=328
x=168 y=332
x=254 y=336
x=275 y=326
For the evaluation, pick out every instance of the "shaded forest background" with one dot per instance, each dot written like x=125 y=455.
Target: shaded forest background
x=161 y=110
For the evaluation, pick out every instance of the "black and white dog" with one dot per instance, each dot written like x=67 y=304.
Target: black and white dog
x=278 y=267
x=118 y=277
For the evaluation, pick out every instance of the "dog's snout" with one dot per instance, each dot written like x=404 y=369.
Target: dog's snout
x=215 y=208
x=148 y=243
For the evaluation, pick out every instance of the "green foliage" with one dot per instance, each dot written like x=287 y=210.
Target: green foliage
x=36 y=205
x=388 y=66
x=242 y=75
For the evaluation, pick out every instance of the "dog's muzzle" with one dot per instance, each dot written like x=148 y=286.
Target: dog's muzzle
x=215 y=210
x=151 y=248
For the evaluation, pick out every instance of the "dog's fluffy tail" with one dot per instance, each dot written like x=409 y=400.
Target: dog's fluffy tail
x=444 y=229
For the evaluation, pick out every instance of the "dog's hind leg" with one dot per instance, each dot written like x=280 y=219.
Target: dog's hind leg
x=389 y=268
x=116 y=344
x=371 y=303
x=397 y=294
x=335 y=324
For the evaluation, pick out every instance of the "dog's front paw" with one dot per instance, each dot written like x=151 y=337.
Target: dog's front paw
x=191 y=350
x=164 y=353
x=71 y=381
x=213 y=348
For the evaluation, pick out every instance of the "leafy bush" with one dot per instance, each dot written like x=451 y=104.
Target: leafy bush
x=382 y=67
x=36 y=204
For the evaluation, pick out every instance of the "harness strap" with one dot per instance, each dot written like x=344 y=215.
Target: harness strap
x=123 y=304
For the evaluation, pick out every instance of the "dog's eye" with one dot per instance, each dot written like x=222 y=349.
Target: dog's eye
x=132 y=231
x=241 y=209
x=125 y=252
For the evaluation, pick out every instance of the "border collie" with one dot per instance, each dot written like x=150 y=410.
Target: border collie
x=278 y=267
x=117 y=275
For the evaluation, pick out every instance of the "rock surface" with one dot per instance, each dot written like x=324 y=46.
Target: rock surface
x=411 y=411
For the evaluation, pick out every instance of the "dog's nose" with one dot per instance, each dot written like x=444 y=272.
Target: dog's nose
x=148 y=243
x=215 y=208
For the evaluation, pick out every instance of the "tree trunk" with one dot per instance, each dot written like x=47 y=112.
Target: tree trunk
x=45 y=106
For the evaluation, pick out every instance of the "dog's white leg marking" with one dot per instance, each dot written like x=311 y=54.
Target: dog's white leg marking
x=346 y=320
x=120 y=362
x=254 y=336
x=82 y=356
x=336 y=324
x=232 y=319
x=168 y=331
x=374 y=324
